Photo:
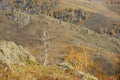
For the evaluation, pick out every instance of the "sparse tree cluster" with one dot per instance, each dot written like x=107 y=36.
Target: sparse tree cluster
x=112 y=2
x=71 y=15
x=114 y=30
x=28 y=6
x=34 y=6
x=47 y=7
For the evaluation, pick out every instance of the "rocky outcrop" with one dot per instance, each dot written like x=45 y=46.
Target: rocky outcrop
x=10 y=53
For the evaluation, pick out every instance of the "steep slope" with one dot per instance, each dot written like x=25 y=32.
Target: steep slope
x=65 y=35
x=18 y=64
x=103 y=17
x=89 y=6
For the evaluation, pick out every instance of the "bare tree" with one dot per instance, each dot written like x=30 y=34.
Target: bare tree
x=45 y=48
x=44 y=37
x=45 y=43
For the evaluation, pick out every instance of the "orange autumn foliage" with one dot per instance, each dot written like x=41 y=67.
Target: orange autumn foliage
x=83 y=61
x=80 y=60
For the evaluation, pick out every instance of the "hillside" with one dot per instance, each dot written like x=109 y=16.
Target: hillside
x=102 y=17
x=115 y=8
x=18 y=64
x=89 y=6
x=73 y=36
x=75 y=50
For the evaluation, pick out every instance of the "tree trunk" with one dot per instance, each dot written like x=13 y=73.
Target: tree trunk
x=45 y=54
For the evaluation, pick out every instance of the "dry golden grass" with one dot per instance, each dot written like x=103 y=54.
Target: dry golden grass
x=36 y=72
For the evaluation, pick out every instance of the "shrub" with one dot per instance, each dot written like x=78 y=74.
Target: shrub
x=83 y=61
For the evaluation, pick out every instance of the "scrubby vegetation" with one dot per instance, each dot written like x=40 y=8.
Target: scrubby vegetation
x=71 y=15
x=22 y=66
x=27 y=22
x=83 y=61
x=47 y=7
x=18 y=64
